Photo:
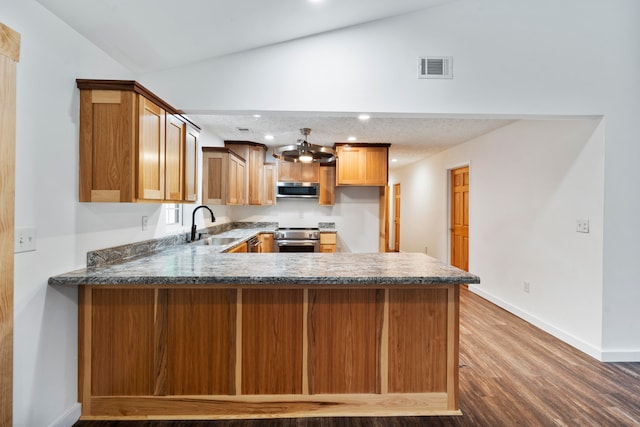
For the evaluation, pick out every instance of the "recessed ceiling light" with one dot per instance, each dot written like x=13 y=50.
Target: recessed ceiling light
x=394 y=160
x=269 y=137
x=257 y=116
x=352 y=138
x=364 y=117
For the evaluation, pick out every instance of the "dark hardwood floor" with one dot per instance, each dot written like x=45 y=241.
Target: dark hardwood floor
x=512 y=374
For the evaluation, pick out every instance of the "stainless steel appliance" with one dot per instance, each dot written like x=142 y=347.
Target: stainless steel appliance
x=296 y=239
x=300 y=190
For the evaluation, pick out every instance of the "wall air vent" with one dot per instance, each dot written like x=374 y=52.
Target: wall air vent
x=244 y=130
x=435 y=67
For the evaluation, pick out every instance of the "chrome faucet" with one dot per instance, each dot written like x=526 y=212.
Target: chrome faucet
x=193 y=221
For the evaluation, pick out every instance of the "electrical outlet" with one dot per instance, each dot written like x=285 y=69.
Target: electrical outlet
x=526 y=286
x=145 y=222
x=24 y=239
x=582 y=226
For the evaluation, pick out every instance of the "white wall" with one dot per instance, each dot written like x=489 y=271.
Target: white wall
x=531 y=57
x=45 y=341
x=355 y=214
x=528 y=57
x=529 y=183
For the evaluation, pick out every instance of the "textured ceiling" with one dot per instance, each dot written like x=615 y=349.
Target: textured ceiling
x=412 y=138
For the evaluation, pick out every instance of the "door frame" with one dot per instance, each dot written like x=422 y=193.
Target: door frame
x=448 y=224
x=396 y=199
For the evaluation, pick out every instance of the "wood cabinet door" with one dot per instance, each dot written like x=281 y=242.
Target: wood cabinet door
x=288 y=171
x=267 y=242
x=376 y=165
x=256 y=175
x=242 y=248
x=269 y=197
x=236 y=181
x=107 y=146
x=174 y=158
x=241 y=185
x=350 y=165
x=215 y=172
x=190 y=162
x=327 y=185
x=309 y=172
x=151 y=150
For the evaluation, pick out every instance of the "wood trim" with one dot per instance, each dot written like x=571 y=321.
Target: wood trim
x=255 y=144
x=361 y=144
x=160 y=342
x=453 y=334
x=384 y=346
x=9 y=55
x=238 y=335
x=222 y=150
x=132 y=86
x=9 y=43
x=269 y=406
x=383 y=236
x=305 y=341
x=84 y=348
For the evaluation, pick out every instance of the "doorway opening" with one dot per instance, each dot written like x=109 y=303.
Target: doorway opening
x=459 y=228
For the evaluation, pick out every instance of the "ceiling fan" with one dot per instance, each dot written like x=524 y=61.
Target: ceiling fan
x=304 y=152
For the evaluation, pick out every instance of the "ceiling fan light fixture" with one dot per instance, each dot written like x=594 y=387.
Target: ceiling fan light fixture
x=304 y=152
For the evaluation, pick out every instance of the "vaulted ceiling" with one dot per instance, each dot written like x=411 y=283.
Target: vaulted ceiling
x=152 y=35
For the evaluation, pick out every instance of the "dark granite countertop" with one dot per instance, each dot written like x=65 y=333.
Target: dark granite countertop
x=200 y=263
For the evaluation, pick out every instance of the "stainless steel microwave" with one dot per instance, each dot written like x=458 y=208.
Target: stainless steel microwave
x=303 y=190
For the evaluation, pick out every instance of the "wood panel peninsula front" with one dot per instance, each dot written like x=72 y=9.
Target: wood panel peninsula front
x=189 y=333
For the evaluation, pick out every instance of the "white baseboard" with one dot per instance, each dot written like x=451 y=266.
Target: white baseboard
x=567 y=338
x=69 y=418
x=621 y=356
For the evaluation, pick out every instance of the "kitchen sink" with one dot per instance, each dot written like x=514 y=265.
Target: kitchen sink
x=216 y=241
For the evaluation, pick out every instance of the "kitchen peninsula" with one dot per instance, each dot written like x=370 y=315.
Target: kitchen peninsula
x=191 y=333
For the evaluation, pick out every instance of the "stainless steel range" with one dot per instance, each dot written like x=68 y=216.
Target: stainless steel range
x=296 y=239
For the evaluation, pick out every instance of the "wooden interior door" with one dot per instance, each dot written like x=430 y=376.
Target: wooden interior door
x=396 y=217
x=459 y=229
x=9 y=55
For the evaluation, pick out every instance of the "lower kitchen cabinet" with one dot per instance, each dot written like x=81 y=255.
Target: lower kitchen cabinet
x=328 y=242
x=211 y=351
x=267 y=242
x=242 y=248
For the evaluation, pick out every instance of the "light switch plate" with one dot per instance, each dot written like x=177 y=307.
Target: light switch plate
x=24 y=239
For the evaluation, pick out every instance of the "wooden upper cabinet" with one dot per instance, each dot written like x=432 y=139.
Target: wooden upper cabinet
x=270 y=175
x=256 y=175
x=298 y=172
x=174 y=159
x=362 y=164
x=132 y=145
x=223 y=177
x=327 y=185
x=254 y=153
x=191 y=164
x=151 y=150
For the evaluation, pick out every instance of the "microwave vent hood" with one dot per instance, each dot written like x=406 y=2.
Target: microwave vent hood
x=299 y=190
